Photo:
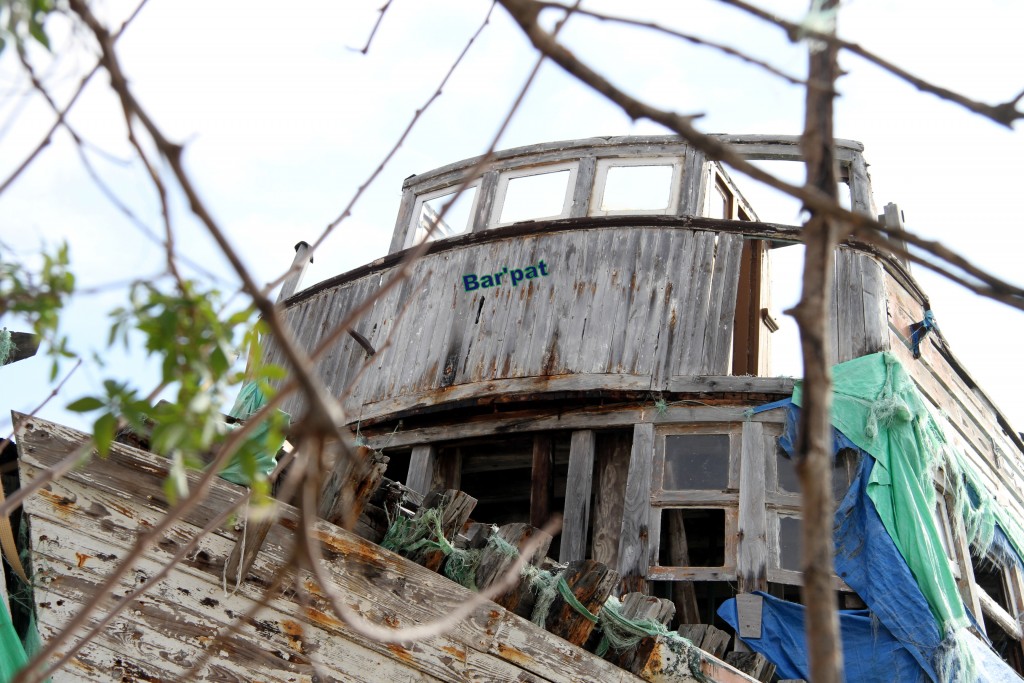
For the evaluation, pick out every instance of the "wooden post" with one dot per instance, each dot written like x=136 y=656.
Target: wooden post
x=422 y=465
x=612 y=469
x=577 y=497
x=493 y=565
x=683 y=594
x=591 y=582
x=350 y=484
x=633 y=541
x=541 y=481
x=752 y=564
x=458 y=506
x=295 y=273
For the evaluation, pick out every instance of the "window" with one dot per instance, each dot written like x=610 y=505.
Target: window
x=535 y=193
x=695 y=496
x=636 y=186
x=427 y=222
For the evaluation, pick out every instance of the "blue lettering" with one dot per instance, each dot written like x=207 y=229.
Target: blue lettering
x=497 y=279
x=469 y=281
x=486 y=281
x=543 y=267
x=517 y=276
x=531 y=273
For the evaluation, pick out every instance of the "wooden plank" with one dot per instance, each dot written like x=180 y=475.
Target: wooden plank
x=541 y=481
x=749 y=607
x=721 y=313
x=693 y=317
x=752 y=541
x=380 y=585
x=576 y=521
x=300 y=262
x=600 y=417
x=403 y=221
x=691 y=194
x=584 y=190
x=633 y=540
x=641 y=330
x=612 y=469
x=422 y=469
x=486 y=194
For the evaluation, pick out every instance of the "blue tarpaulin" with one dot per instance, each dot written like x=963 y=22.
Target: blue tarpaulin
x=896 y=639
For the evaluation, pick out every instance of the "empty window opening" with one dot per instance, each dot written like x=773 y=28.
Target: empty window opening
x=635 y=186
x=533 y=195
x=991 y=579
x=398 y=466
x=696 y=461
x=498 y=473
x=692 y=538
x=428 y=224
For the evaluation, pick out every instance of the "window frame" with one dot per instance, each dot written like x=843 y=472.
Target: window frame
x=506 y=177
x=413 y=226
x=601 y=180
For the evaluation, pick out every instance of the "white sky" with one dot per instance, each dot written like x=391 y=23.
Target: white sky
x=282 y=122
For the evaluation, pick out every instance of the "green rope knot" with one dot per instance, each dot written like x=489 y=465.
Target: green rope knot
x=570 y=598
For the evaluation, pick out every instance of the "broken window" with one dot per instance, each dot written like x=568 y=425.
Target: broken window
x=844 y=471
x=428 y=224
x=535 y=193
x=999 y=590
x=636 y=186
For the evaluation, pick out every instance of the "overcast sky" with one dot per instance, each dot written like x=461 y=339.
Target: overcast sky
x=282 y=121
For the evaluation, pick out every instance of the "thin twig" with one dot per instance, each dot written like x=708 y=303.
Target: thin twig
x=373 y=31
x=688 y=37
x=1004 y=113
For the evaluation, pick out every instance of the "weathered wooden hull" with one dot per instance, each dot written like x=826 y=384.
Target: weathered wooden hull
x=85 y=524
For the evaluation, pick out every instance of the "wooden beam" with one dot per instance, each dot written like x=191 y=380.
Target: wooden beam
x=752 y=534
x=422 y=466
x=25 y=345
x=577 y=497
x=612 y=470
x=634 y=541
x=541 y=481
x=299 y=264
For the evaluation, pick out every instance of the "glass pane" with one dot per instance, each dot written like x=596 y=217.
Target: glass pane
x=696 y=461
x=645 y=188
x=535 y=196
x=789 y=543
x=843 y=473
x=455 y=221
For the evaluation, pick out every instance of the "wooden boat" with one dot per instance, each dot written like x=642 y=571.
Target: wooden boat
x=589 y=335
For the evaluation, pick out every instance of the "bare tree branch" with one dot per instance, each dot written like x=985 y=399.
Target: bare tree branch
x=1004 y=113
x=814 y=445
x=688 y=37
x=376 y=25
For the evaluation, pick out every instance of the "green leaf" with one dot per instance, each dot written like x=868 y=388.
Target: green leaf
x=103 y=433
x=84 y=405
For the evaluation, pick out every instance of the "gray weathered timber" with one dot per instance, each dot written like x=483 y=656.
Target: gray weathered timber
x=298 y=268
x=584 y=190
x=109 y=502
x=633 y=540
x=422 y=469
x=612 y=469
x=752 y=536
x=541 y=481
x=485 y=201
x=577 y=497
x=584 y=418
x=638 y=302
x=749 y=607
